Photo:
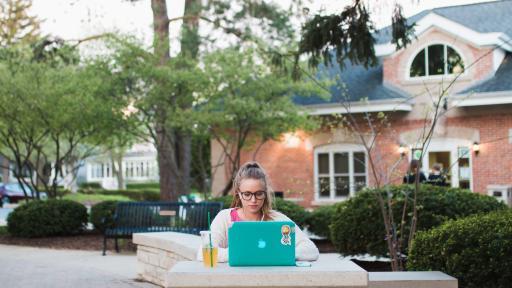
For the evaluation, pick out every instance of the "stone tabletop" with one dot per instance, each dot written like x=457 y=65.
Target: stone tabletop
x=328 y=271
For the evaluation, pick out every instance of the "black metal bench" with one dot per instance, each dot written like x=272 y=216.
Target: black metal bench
x=139 y=217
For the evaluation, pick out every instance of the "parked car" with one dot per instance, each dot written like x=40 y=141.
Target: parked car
x=13 y=192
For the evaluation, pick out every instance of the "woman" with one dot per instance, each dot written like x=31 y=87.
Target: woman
x=252 y=201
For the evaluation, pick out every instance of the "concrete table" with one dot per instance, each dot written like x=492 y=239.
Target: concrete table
x=328 y=271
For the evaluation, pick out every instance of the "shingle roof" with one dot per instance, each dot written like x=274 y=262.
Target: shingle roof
x=502 y=80
x=355 y=83
x=481 y=17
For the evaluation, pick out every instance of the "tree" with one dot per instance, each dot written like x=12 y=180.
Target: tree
x=50 y=111
x=248 y=102
x=16 y=25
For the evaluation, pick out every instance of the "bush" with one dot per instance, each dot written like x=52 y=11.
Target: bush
x=319 y=220
x=358 y=226
x=288 y=208
x=47 y=218
x=294 y=211
x=102 y=215
x=476 y=250
x=90 y=185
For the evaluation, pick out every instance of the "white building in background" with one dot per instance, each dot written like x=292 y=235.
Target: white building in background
x=139 y=166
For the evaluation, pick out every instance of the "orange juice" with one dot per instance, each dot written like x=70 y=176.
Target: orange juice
x=207 y=260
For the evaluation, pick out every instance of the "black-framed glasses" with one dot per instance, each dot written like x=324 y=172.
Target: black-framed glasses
x=247 y=196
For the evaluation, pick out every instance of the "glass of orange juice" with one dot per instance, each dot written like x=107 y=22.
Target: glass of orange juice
x=210 y=252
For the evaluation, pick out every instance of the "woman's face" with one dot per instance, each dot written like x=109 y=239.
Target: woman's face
x=253 y=202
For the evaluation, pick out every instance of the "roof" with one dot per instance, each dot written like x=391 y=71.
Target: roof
x=481 y=17
x=355 y=83
x=502 y=80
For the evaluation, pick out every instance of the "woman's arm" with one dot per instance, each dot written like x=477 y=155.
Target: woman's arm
x=305 y=249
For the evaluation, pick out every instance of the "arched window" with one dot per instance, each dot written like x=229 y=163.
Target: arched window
x=438 y=59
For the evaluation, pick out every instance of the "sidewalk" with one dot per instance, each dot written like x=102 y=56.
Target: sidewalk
x=35 y=267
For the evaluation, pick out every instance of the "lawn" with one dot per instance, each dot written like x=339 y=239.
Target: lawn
x=94 y=198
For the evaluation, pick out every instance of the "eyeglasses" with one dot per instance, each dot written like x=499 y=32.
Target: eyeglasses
x=259 y=195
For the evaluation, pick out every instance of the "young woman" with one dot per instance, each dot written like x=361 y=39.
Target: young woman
x=252 y=201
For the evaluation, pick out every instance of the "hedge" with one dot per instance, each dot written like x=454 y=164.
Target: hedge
x=102 y=215
x=476 y=250
x=295 y=212
x=320 y=219
x=47 y=218
x=358 y=226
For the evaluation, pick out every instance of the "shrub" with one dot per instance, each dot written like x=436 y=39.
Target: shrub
x=47 y=218
x=90 y=185
x=358 y=226
x=102 y=215
x=477 y=250
x=290 y=209
x=319 y=220
x=224 y=199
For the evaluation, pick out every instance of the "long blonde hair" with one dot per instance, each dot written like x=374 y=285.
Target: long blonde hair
x=253 y=170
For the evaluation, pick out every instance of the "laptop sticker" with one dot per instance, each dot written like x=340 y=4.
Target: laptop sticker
x=285 y=231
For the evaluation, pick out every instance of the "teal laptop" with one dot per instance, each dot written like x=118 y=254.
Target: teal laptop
x=261 y=243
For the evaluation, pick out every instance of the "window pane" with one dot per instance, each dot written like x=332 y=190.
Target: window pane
x=359 y=162
x=323 y=163
x=325 y=187
x=455 y=64
x=418 y=65
x=342 y=185
x=360 y=182
x=340 y=162
x=436 y=60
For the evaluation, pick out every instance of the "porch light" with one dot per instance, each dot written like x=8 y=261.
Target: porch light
x=402 y=149
x=291 y=140
x=476 y=148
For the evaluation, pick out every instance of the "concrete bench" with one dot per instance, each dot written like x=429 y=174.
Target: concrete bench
x=167 y=259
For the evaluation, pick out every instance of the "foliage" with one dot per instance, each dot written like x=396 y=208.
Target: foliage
x=47 y=218
x=102 y=215
x=294 y=211
x=16 y=25
x=320 y=219
x=247 y=102
x=226 y=200
x=51 y=109
x=476 y=250
x=358 y=227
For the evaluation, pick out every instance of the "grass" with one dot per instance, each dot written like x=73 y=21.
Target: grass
x=82 y=198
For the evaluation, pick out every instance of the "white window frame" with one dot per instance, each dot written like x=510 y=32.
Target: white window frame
x=331 y=150
x=434 y=77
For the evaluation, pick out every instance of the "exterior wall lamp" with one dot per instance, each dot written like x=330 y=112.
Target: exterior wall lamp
x=402 y=149
x=476 y=148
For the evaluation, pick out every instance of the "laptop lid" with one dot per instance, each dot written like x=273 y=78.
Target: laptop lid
x=262 y=243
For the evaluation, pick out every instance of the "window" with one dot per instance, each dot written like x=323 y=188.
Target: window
x=435 y=60
x=339 y=172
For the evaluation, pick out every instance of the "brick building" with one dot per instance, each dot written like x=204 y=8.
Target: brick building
x=472 y=140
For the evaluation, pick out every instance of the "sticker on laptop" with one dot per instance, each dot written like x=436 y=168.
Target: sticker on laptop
x=285 y=231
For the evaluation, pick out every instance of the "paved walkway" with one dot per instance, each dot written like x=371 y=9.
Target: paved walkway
x=34 y=267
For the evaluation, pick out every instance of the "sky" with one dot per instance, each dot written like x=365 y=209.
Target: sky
x=78 y=19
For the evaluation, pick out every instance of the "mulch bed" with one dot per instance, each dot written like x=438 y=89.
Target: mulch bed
x=88 y=241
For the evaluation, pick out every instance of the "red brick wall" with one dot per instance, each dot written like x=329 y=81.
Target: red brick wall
x=292 y=169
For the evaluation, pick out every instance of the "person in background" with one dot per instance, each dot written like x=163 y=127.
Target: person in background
x=410 y=177
x=436 y=177
x=252 y=201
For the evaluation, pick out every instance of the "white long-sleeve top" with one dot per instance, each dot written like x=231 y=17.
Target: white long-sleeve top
x=305 y=249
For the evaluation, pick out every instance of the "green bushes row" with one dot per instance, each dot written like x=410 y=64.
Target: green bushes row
x=47 y=218
x=477 y=250
x=358 y=227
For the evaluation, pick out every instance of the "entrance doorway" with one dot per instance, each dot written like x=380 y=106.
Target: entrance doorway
x=442 y=158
